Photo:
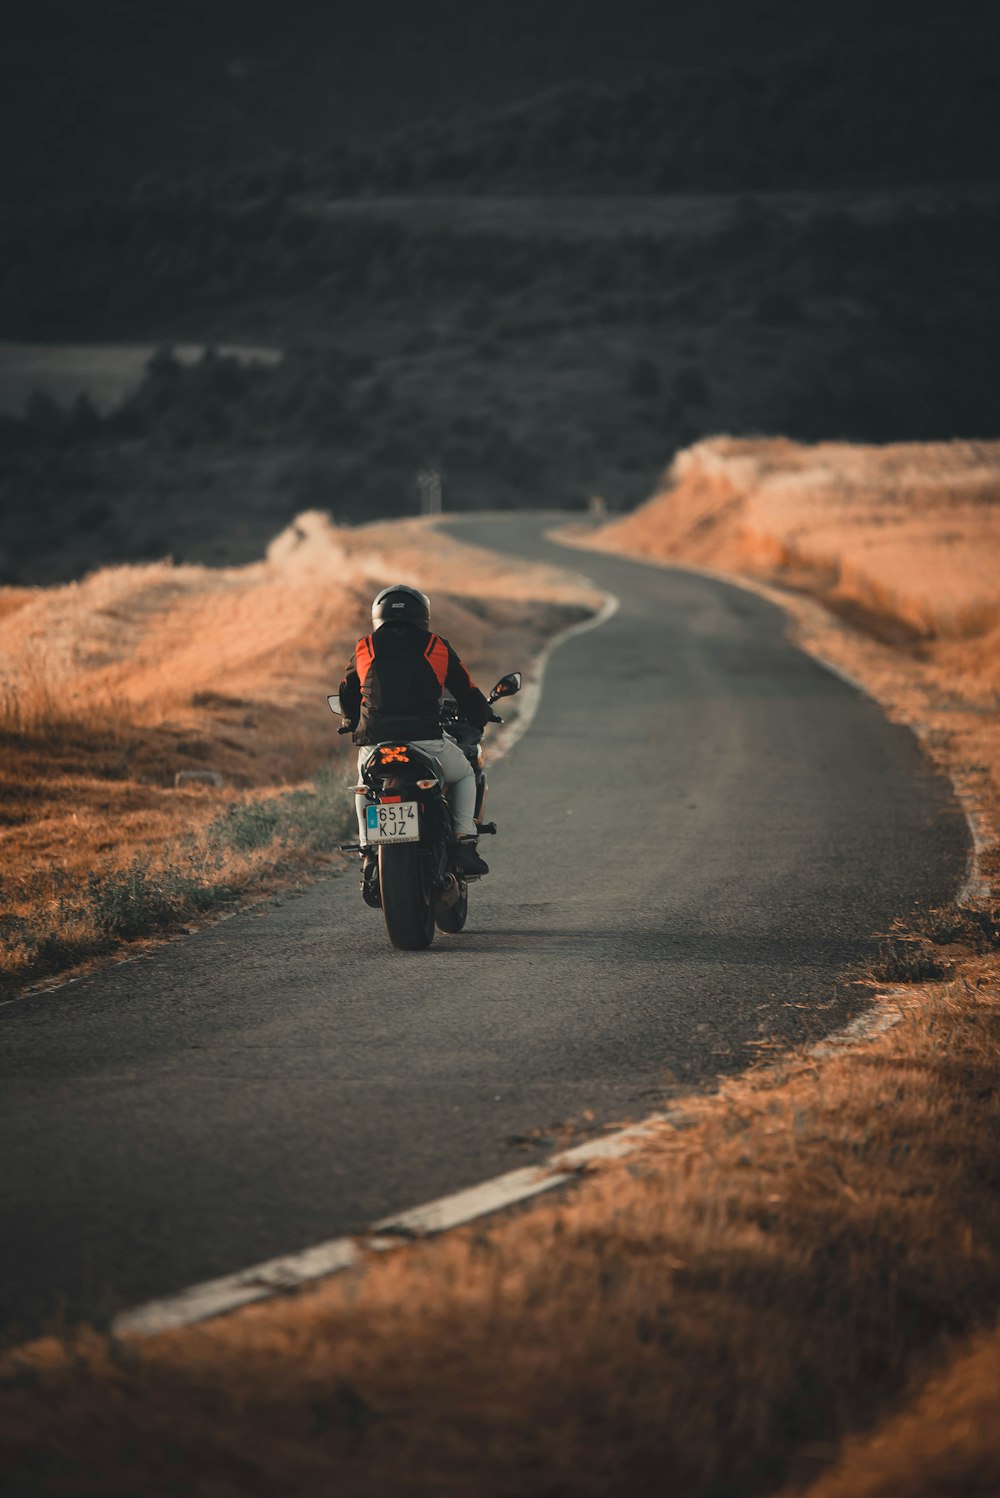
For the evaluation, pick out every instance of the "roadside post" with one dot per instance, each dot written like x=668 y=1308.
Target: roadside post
x=429 y=486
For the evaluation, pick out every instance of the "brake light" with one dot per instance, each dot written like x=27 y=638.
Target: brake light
x=389 y=800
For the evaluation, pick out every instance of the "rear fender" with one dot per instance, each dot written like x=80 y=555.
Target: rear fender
x=394 y=765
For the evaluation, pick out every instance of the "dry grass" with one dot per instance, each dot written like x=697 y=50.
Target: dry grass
x=111 y=686
x=894 y=558
x=908 y=534
x=887 y=560
x=712 y=1317
x=944 y=1442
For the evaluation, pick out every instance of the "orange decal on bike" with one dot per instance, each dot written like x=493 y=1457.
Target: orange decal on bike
x=364 y=655
x=436 y=656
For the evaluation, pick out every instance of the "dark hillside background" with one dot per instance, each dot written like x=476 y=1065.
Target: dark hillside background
x=539 y=247
x=95 y=97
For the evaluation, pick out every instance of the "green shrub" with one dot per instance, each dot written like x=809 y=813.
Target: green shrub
x=317 y=820
x=137 y=900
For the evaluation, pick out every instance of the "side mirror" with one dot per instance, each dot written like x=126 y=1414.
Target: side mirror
x=506 y=686
x=334 y=701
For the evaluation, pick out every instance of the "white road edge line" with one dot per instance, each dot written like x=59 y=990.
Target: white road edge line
x=288 y=1273
x=279 y=1276
x=530 y=696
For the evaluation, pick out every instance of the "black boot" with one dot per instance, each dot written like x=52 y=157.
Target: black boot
x=370 y=892
x=465 y=858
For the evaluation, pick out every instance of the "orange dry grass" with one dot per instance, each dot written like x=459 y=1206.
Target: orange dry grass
x=905 y=541
x=901 y=546
x=909 y=532
x=709 y=1317
x=944 y=1443
x=110 y=686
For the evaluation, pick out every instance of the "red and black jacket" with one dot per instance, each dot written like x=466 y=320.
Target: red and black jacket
x=394 y=681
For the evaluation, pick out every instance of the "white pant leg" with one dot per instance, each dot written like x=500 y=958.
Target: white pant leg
x=459 y=779
x=361 y=802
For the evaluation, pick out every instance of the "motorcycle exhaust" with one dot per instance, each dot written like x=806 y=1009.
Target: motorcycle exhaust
x=446 y=899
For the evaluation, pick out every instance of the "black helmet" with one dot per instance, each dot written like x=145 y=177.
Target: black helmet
x=402 y=604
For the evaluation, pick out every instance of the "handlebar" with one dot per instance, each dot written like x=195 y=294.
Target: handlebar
x=494 y=718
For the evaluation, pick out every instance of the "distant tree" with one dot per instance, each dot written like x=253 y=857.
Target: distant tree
x=400 y=173
x=225 y=378
x=163 y=366
x=44 y=416
x=644 y=379
x=451 y=166
x=605 y=268
x=779 y=307
x=83 y=422
x=93 y=516
x=380 y=395
x=690 y=386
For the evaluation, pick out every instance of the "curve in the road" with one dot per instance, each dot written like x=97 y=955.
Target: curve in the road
x=701 y=837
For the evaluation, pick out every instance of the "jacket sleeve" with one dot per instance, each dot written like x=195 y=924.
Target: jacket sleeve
x=472 y=705
x=350 y=693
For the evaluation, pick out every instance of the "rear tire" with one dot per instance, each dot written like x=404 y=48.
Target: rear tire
x=406 y=901
x=453 y=918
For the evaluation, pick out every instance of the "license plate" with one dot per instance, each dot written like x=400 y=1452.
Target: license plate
x=398 y=823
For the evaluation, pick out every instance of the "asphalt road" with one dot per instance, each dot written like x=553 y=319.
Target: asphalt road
x=700 y=836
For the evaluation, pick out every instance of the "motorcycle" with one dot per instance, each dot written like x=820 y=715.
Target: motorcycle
x=408 y=819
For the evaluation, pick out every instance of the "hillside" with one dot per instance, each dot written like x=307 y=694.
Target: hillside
x=919 y=108
x=534 y=357
x=904 y=538
x=730 y=96
x=888 y=561
x=538 y=257
x=397 y=95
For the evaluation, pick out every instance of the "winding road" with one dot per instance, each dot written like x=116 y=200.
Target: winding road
x=701 y=836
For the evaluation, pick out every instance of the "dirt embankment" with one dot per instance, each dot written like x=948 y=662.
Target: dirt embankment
x=901 y=547
x=111 y=687
x=904 y=538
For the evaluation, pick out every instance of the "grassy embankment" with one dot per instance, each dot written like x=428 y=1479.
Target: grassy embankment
x=739 y=1305
x=888 y=560
x=111 y=686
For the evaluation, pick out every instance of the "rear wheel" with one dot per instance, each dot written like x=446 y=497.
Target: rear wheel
x=406 y=900
x=452 y=918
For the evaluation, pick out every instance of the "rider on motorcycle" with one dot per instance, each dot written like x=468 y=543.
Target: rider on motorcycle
x=392 y=688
